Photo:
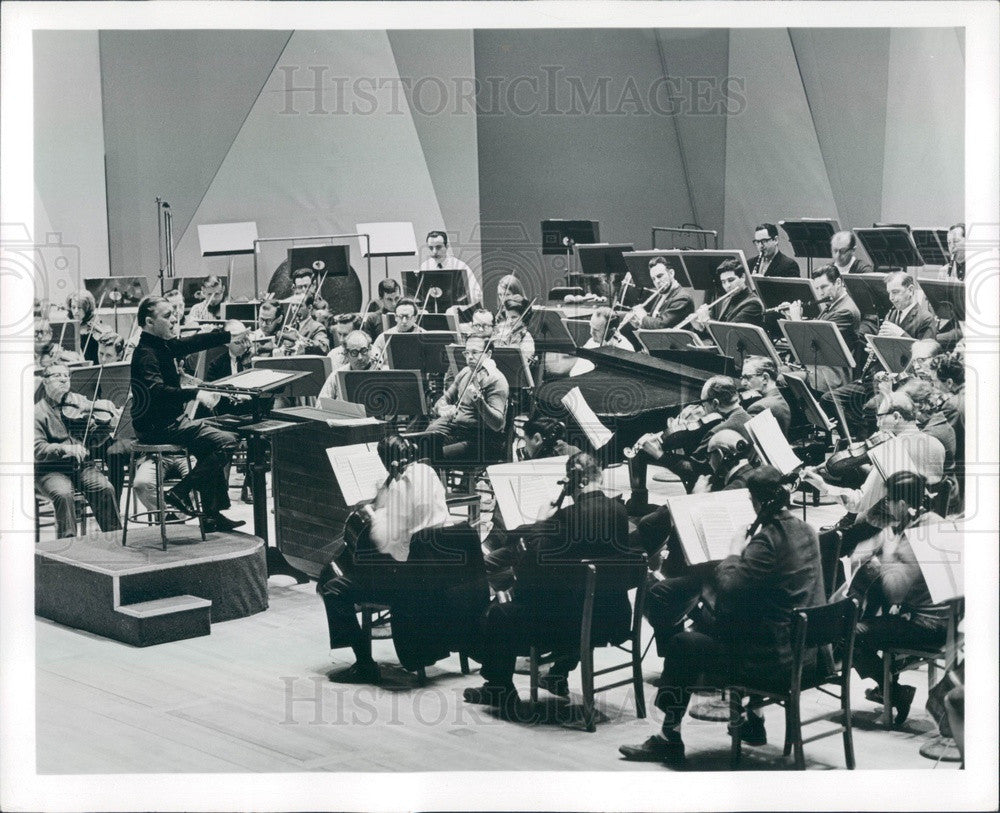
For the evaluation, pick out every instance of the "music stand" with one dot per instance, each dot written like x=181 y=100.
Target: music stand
x=654 y=341
x=419 y=351
x=869 y=293
x=117 y=292
x=318 y=367
x=387 y=240
x=228 y=240
x=385 y=393
x=746 y=340
x=550 y=334
x=323 y=261
x=418 y=283
x=701 y=265
x=116 y=381
x=817 y=343
x=807 y=403
x=890 y=247
x=66 y=334
x=637 y=263
x=946 y=296
x=775 y=290
x=810 y=237
x=514 y=366
x=893 y=352
x=578 y=328
x=603 y=259
x=243 y=311
x=931 y=243
x=434 y=322
x=559 y=237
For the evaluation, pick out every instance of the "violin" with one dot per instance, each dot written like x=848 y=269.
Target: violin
x=854 y=454
x=748 y=397
x=687 y=433
x=102 y=413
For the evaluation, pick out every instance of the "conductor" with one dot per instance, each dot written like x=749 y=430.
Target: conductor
x=159 y=404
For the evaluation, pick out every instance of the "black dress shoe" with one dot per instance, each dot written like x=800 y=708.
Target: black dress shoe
x=182 y=502
x=358 y=673
x=554 y=684
x=902 y=699
x=655 y=749
x=751 y=730
x=490 y=694
x=222 y=523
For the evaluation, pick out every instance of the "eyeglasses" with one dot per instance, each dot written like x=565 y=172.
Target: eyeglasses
x=765 y=240
x=58 y=376
x=358 y=352
x=472 y=354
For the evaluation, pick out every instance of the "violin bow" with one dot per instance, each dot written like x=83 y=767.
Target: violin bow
x=93 y=404
x=90 y=335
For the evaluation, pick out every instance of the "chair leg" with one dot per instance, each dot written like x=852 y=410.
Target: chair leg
x=797 y=746
x=463 y=660
x=788 y=731
x=83 y=516
x=161 y=506
x=845 y=705
x=735 y=713
x=421 y=676
x=129 y=493
x=931 y=674
x=637 y=687
x=366 y=630
x=587 y=678
x=887 y=690
x=197 y=503
x=533 y=675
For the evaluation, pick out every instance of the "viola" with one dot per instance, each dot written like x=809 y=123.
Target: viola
x=748 y=397
x=687 y=433
x=854 y=454
x=103 y=413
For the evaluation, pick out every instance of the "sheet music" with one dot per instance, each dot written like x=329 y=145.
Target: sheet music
x=525 y=490
x=261 y=377
x=359 y=471
x=771 y=442
x=706 y=523
x=597 y=433
x=939 y=550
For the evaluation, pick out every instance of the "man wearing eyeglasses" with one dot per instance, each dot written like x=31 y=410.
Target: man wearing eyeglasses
x=357 y=356
x=770 y=262
x=62 y=462
x=406 y=322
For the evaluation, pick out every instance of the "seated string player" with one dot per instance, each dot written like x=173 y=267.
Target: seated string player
x=512 y=329
x=264 y=338
x=949 y=369
x=472 y=412
x=406 y=322
x=772 y=569
x=159 y=404
x=389 y=293
x=481 y=325
x=82 y=307
x=405 y=525
x=43 y=335
x=738 y=304
x=673 y=304
x=110 y=348
x=919 y=623
x=208 y=308
x=357 y=356
x=594 y=527
x=761 y=376
x=301 y=334
x=683 y=447
x=341 y=326
x=63 y=463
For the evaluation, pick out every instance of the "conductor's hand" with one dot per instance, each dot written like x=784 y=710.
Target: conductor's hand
x=208 y=399
x=890 y=329
x=76 y=451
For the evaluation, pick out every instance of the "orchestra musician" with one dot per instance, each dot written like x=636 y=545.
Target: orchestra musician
x=389 y=293
x=64 y=421
x=357 y=355
x=919 y=623
x=512 y=330
x=110 y=348
x=406 y=322
x=301 y=334
x=955 y=269
x=760 y=375
x=481 y=324
x=340 y=326
x=208 y=308
x=509 y=285
x=409 y=502
x=82 y=307
x=770 y=262
x=720 y=400
x=159 y=403
x=740 y=304
x=594 y=527
x=43 y=335
x=441 y=259
x=843 y=246
x=269 y=318
x=949 y=369
x=769 y=572
x=602 y=334
x=674 y=303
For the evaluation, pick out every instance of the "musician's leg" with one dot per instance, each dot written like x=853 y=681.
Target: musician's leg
x=693 y=660
x=651 y=531
x=668 y=603
x=58 y=488
x=638 y=502
x=213 y=449
x=102 y=498
x=340 y=594
x=501 y=628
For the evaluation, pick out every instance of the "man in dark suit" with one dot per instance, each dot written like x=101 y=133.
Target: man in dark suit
x=673 y=305
x=719 y=395
x=741 y=304
x=770 y=262
x=760 y=374
x=595 y=526
x=843 y=246
x=763 y=579
x=159 y=404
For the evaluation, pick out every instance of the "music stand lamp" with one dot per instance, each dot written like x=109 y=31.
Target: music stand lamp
x=893 y=352
x=775 y=290
x=387 y=240
x=810 y=237
x=318 y=368
x=747 y=340
x=890 y=248
x=560 y=236
x=817 y=343
x=946 y=297
x=931 y=244
x=385 y=394
x=228 y=240
x=260 y=240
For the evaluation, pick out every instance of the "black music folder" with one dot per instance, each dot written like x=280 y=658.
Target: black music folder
x=559 y=236
x=809 y=236
x=890 y=247
x=385 y=393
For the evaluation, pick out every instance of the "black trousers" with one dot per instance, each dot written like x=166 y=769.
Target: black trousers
x=693 y=661
x=340 y=594
x=875 y=634
x=852 y=398
x=506 y=632
x=213 y=450
x=671 y=600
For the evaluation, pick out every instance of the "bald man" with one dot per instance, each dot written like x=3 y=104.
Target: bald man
x=842 y=248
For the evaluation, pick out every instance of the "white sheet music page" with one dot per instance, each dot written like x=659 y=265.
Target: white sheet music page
x=261 y=377
x=524 y=491
x=359 y=471
x=771 y=442
x=939 y=550
x=706 y=523
x=597 y=433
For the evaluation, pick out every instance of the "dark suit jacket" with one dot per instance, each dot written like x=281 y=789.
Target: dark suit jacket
x=919 y=323
x=778 y=406
x=675 y=307
x=779 y=570
x=742 y=307
x=858 y=267
x=844 y=313
x=781 y=266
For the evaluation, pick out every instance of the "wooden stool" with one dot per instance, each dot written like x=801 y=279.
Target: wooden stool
x=156 y=451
